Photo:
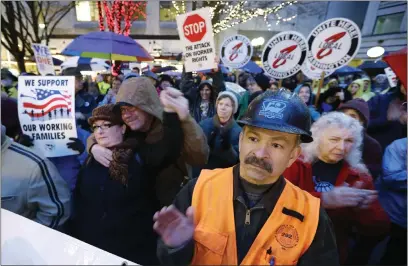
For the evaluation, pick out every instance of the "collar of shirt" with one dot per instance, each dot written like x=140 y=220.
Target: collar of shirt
x=270 y=197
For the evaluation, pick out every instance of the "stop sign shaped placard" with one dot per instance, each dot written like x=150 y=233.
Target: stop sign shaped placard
x=194 y=28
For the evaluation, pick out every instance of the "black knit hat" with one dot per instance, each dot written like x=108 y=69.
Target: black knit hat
x=165 y=77
x=72 y=71
x=262 y=80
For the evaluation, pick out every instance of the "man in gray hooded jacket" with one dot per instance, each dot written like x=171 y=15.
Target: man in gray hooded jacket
x=31 y=185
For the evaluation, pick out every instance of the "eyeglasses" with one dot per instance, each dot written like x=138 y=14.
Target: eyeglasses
x=127 y=109
x=103 y=126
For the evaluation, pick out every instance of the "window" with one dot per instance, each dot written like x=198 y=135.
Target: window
x=168 y=10
x=388 y=23
x=86 y=11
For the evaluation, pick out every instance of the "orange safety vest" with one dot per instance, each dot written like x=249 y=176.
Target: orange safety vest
x=283 y=238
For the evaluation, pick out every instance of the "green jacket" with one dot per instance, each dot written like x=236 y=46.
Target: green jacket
x=243 y=104
x=11 y=92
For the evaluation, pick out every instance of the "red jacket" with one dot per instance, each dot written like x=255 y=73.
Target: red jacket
x=370 y=222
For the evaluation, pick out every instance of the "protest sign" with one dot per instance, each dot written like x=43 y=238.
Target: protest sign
x=25 y=242
x=284 y=54
x=236 y=51
x=43 y=58
x=46 y=109
x=392 y=78
x=333 y=43
x=312 y=72
x=196 y=33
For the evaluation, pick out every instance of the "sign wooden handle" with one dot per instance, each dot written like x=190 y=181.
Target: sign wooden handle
x=280 y=83
x=319 y=88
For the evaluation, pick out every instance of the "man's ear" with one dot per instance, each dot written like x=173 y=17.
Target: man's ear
x=294 y=154
x=241 y=136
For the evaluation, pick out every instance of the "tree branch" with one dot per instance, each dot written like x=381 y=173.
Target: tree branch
x=5 y=29
x=27 y=17
x=68 y=9
x=6 y=46
x=39 y=7
x=62 y=9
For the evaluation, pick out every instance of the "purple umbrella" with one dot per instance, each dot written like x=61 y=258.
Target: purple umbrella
x=107 y=45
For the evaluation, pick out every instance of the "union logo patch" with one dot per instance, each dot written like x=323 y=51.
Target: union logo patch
x=287 y=236
x=272 y=109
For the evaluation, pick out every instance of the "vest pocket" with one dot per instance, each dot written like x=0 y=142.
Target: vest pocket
x=209 y=246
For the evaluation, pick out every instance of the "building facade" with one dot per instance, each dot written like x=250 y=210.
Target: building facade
x=385 y=24
x=382 y=23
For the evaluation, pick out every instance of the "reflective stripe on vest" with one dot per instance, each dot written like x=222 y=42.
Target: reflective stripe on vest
x=283 y=238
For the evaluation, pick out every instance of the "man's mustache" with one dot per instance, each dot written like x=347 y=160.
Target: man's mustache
x=259 y=163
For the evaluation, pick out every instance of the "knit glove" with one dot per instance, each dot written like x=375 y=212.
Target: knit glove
x=24 y=140
x=76 y=145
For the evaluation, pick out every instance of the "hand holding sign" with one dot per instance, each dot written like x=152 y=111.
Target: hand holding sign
x=216 y=60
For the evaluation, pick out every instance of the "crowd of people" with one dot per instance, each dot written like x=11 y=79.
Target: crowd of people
x=190 y=171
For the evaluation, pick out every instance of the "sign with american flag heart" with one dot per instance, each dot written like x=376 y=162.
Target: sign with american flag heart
x=46 y=107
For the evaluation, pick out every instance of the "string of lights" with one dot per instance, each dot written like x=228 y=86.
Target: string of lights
x=237 y=12
x=237 y=15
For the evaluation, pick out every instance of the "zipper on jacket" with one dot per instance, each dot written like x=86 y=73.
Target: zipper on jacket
x=248 y=217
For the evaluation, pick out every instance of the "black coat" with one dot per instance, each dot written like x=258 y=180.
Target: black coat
x=114 y=217
x=223 y=143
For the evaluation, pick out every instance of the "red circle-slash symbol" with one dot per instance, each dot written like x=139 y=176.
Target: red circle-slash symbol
x=332 y=39
x=283 y=53
x=234 y=51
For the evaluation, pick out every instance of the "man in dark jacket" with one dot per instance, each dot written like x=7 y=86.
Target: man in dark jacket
x=393 y=197
x=141 y=110
x=372 y=150
x=332 y=98
x=388 y=116
x=84 y=102
x=246 y=214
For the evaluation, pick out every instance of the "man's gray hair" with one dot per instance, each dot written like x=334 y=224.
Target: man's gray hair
x=340 y=120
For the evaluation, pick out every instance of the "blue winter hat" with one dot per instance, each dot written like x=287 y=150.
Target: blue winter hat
x=150 y=74
x=130 y=75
